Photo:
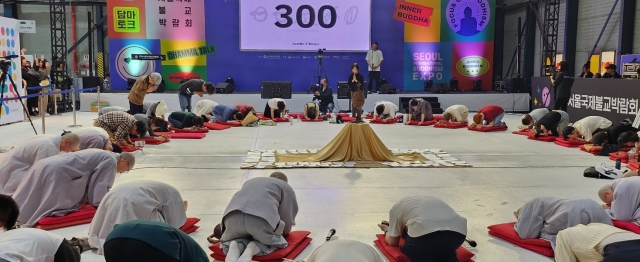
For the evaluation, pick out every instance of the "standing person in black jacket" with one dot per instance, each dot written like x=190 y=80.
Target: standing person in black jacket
x=356 y=82
x=585 y=72
x=325 y=95
x=562 y=87
x=33 y=79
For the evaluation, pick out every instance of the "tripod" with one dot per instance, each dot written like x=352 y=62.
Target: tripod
x=320 y=71
x=3 y=77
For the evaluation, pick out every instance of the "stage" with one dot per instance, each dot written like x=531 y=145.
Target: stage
x=517 y=102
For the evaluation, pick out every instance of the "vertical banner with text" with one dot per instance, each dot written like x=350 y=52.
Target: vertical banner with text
x=174 y=28
x=10 y=110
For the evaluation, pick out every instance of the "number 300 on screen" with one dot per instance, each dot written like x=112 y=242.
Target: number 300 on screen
x=288 y=10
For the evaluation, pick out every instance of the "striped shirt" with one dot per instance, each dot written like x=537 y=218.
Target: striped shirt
x=117 y=122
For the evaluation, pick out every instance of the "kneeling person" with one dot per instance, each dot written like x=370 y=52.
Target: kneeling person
x=490 y=115
x=597 y=242
x=344 y=251
x=420 y=110
x=311 y=111
x=225 y=113
x=258 y=217
x=529 y=120
x=119 y=125
x=622 y=199
x=584 y=129
x=186 y=120
x=385 y=109
x=548 y=124
x=456 y=114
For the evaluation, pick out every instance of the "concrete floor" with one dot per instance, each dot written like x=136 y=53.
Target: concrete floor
x=508 y=170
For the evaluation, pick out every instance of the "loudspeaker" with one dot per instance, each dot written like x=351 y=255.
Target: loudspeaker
x=388 y=89
x=440 y=88
x=224 y=88
x=92 y=81
x=344 y=92
x=428 y=85
x=516 y=85
x=477 y=85
x=453 y=84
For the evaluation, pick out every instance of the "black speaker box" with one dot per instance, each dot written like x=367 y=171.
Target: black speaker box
x=516 y=85
x=92 y=81
x=224 y=88
x=344 y=92
x=440 y=88
x=388 y=89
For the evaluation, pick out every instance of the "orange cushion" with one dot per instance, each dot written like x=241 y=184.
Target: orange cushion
x=425 y=123
x=84 y=215
x=507 y=233
x=629 y=226
x=190 y=225
x=395 y=255
x=298 y=241
x=216 y=126
x=489 y=128
x=187 y=135
x=179 y=130
x=450 y=126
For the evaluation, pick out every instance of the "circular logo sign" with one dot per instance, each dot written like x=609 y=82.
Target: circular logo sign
x=473 y=66
x=546 y=97
x=129 y=68
x=468 y=17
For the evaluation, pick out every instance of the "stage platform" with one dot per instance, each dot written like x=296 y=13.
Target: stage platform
x=518 y=102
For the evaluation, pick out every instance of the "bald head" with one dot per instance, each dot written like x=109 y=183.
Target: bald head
x=70 y=142
x=126 y=162
x=280 y=175
x=606 y=193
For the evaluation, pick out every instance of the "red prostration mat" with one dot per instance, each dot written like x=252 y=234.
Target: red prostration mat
x=130 y=149
x=298 y=241
x=634 y=166
x=311 y=120
x=149 y=141
x=187 y=135
x=180 y=130
x=216 y=126
x=84 y=215
x=378 y=121
x=393 y=254
x=623 y=158
x=450 y=126
x=229 y=123
x=277 y=120
x=524 y=132
x=629 y=226
x=542 y=138
x=488 y=128
x=190 y=225
x=425 y=123
x=507 y=233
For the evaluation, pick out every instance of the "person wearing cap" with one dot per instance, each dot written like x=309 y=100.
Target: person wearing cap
x=611 y=72
x=61 y=184
x=140 y=89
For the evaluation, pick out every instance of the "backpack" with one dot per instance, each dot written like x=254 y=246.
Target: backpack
x=592 y=173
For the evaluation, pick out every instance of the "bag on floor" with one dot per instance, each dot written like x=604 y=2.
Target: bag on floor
x=591 y=172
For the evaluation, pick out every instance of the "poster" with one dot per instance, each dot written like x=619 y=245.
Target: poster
x=10 y=110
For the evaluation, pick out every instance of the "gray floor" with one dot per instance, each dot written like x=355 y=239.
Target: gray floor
x=508 y=170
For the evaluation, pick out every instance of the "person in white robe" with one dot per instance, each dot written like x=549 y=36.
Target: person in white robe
x=258 y=217
x=385 y=110
x=205 y=107
x=16 y=162
x=584 y=129
x=61 y=184
x=29 y=244
x=456 y=114
x=622 y=199
x=94 y=137
x=595 y=243
x=143 y=199
x=544 y=217
x=344 y=251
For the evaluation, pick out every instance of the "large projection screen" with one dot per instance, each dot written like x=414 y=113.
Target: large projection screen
x=305 y=25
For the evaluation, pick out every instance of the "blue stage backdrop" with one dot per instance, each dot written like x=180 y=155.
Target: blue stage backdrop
x=420 y=40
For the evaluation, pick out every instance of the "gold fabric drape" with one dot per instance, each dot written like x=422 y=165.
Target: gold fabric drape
x=355 y=142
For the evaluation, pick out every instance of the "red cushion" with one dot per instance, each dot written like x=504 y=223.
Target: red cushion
x=507 y=233
x=629 y=226
x=277 y=120
x=613 y=156
x=542 y=138
x=565 y=143
x=425 y=123
x=524 y=132
x=297 y=240
x=395 y=255
x=84 y=215
x=379 y=121
x=450 y=126
x=571 y=141
x=130 y=149
x=634 y=166
x=489 y=128
x=215 y=126
x=438 y=117
x=180 y=130
x=348 y=118
x=190 y=225
x=229 y=123
x=311 y=120
x=187 y=135
x=149 y=141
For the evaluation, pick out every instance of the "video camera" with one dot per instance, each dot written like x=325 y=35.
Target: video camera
x=321 y=52
x=5 y=62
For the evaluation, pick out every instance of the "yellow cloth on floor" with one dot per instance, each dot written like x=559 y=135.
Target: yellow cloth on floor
x=356 y=142
x=589 y=146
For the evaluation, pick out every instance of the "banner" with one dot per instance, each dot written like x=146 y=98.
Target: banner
x=11 y=110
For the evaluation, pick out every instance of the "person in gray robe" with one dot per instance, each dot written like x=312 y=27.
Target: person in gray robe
x=94 y=137
x=258 y=217
x=344 y=251
x=112 y=109
x=62 y=184
x=17 y=161
x=544 y=217
x=143 y=199
x=622 y=199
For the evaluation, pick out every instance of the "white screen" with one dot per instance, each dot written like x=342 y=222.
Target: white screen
x=264 y=25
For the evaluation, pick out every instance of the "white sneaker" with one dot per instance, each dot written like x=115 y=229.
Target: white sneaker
x=608 y=171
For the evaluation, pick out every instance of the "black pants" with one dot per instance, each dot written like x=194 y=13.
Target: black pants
x=626 y=251
x=133 y=250
x=439 y=246
x=135 y=109
x=561 y=104
x=374 y=75
x=66 y=253
x=267 y=112
x=32 y=102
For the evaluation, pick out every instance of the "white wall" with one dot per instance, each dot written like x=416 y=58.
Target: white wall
x=40 y=42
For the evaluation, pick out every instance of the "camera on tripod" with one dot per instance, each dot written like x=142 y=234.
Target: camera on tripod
x=321 y=52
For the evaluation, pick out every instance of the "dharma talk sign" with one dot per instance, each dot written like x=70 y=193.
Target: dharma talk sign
x=191 y=52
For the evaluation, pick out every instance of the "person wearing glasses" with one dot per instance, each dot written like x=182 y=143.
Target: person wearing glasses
x=61 y=184
x=140 y=89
